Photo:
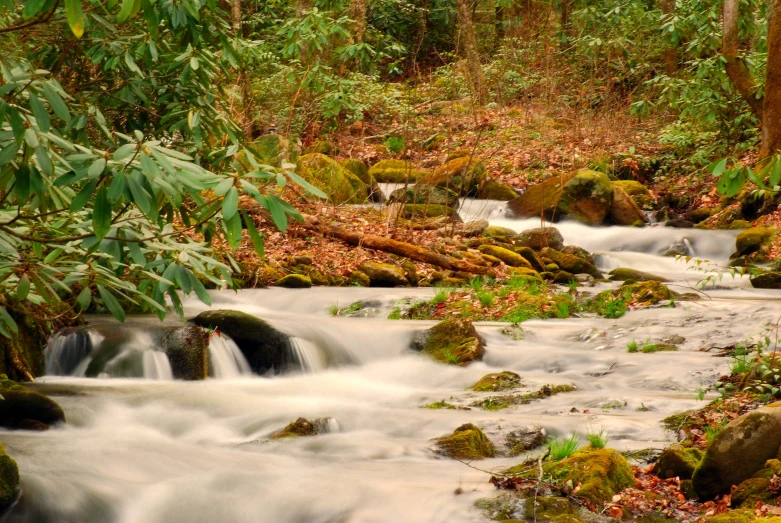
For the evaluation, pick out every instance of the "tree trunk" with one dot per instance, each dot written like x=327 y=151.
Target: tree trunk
x=236 y=17
x=499 y=23
x=566 y=23
x=358 y=14
x=771 y=122
x=737 y=70
x=242 y=80
x=469 y=43
x=671 y=52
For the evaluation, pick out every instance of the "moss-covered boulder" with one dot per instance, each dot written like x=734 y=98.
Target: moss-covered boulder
x=454 y=341
x=9 y=479
x=738 y=516
x=507 y=256
x=580 y=252
x=639 y=192
x=361 y=170
x=530 y=256
x=424 y=194
x=497 y=381
x=540 y=199
x=740 y=450
x=677 y=461
x=496 y=231
x=586 y=197
x=466 y=443
x=428 y=210
x=766 y=280
x=322 y=147
x=541 y=237
x=275 y=150
x=624 y=274
x=525 y=272
x=303 y=427
x=492 y=189
x=21 y=408
x=338 y=183
x=384 y=274
x=571 y=263
x=187 y=349
x=294 y=281
x=624 y=210
x=754 y=240
x=751 y=491
x=265 y=348
x=463 y=175
x=396 y=171
x=551 y=508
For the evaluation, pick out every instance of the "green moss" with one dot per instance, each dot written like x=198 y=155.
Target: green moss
x=551 y=508
x=491 y=189
x=530 y=256
x=734 y=516
x=497 y=381
x=427 y=210
x=302 y=427
x=358 y=168
x=632 y=274
x=639 y=192
x=326 y=174
x=495 y=231
x=601 y=473
x=21 y=408
x=321 y=147
x=677 y=461
x=739 y=224
x=454 y=341
x=358 y=278
x=463 y=175
x=467 y=442
x=438 y=405
x=425 y=194
x=494 y=403
x=274 y=150
x=9 y=479
x=750 y=491
x=396 y=171
x=294 y=281
x=754 y=240
x=571 y=263
x=506 y=255
x=384 y=274
x=586 y=197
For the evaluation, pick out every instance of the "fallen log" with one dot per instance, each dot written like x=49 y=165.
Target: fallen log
x=408 y=250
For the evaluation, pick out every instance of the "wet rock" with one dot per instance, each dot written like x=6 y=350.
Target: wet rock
x=361 y=170
x=491 y=189
x=624 y=210
x=639 y=192
x=564 y=278
x=571 y=263
x=678 y=248
x=396 y=171
x=467 y=442
x=740 y=450
x=525 y=439
x=358 y=279
x=303 y=427
x=21 y=408
x=767 y=280
x=586 y=197
x=9 y=479
x=506 y=255
x=463 y=175
x=338 y=183
x=384 y=274
x=580 y=252
x=540 y=238
x=474 y=228
x=753 y=240
x=530 y=256
x=187 y=349
x=425 y=194
x=294 y=281
x=428 y=210
x=677 y=461
x=624 y=274
x=495 y=231
x=496 y=381
x=265 y=348
x=453 y=341
x=679 y=223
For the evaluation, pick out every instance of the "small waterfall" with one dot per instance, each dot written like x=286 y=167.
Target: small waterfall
x=225 y=358
x=66 y=350
x=157 y=366
x=307 y=354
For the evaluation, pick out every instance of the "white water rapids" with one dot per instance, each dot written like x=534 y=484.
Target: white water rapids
x=157 y=450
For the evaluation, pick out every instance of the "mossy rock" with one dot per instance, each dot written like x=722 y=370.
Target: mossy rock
x=571 y=263
x=384 y=274
x=338 y=183
x=530 y=256
x=463 y=175
x=550 y=508
x=21 y=408
x=265 y=348
x=540 y=238
x=601 y=473
x=506 y=255
x=427 y=210
x=495 y=231
x=735 y=516
x=453 y=341
x=358 y=278
x=275 y=150
x=564 y=278
x=756 y=239
x=740 y=224
x=586 y=197
x=322 y=147
x=740 y=450
x=677 y=461
x=187 y=349
x=434 y=142
x=9 y=479
x=497 y=381
x=624 y=210
x=525 y=272
x=424 y=194
x=639 y=192
x=396 y=171
x=751 y=491
x=540 y=199
x=302 y=427
x=491 y=189
x=580 y=252
x=294 y=281
x=624 y=274
x=466 y=443
x=361 y=170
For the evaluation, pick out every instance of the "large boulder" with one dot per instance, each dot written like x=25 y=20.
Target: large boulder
x=187 y=349
x=467 y=442
x=396 y=171
x=571 y=263
x=541 y=237
x=424 y=194
x=21 y=408
x=454 y=341
x=677 y=461
x=491 y=189
x=623 y=274
x=9 y=479
x=361 y=170
x=624 y=210
x=636 y=190
x=507 y=256
x=463 y=175
x=341 y=185
x=753 y=240
x=384 y=274
x=766 y=280
x=740 y=450
x=265 y=348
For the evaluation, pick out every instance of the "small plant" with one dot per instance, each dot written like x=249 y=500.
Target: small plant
x=563 y=309
x=486 y=298
x=395 y=144
x=597 y=440
x=561 y=447
x=712 y=432
x=333 y=310
x=440 y=297
x=632 y=346
x=395 y=314
x=450 y=357
x=648 y=346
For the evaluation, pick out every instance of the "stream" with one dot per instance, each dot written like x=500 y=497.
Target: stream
x=151 y=449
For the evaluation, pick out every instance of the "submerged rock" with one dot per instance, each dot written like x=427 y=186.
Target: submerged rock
x=21 y=408
x=187 y=349
x=384 y=274
x=264 y=347
x=9 y=479
x=326 y=174
x=540 y=238
x=525 y=439
x=677 y=461
x=454 y=341
x=740 y=450
x=496 y=381
x=303 y=427
x=624 y=274
x=467 y=442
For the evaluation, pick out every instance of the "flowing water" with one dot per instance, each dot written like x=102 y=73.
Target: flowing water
x=147 y=448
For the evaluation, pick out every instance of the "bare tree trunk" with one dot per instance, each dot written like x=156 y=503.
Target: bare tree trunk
x=236 y=16
x=566 y=23
x=358 y=14
x=469 y=42
x=771 y=121
x=671 y=53
x=243 y=80
x=499 y=23
x=737 y=70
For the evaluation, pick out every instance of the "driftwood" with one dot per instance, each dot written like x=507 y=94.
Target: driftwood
x=408 y=250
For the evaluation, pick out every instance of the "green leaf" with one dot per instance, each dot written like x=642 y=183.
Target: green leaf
x=257 y=239
x=43 y=289
x=223 y=186
x=150 y=15
x=117 y=188
x=233 y=231
x=8 y=152
x=717 y=168
x=8 y=320
x=127 y=8
x=23 y=288
x=31 y=8
x=75 y=16
x=40 y=113
x=199 y=289
x=124 y=151
x=176 y=302
x=42 y=155
x=101 y=214
x=83 y=197
x=140 y=197
x=55 y=100
x=22 y=185
x=306 y=185
x=84 y=298
x=277 y=211
x=97 y=167
x=111 y=303
x=52 y=256
x=775 y=172
x=230 y=204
